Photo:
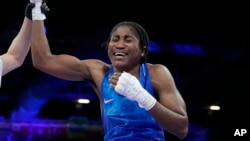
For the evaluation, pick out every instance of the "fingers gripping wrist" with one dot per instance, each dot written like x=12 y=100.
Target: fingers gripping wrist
x=37 y=13
x=34 y=1
x=130 y=87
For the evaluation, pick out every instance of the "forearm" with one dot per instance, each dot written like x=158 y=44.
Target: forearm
x=40 y=46
x=21 y=43
x=18 y=49
x=40 y=50
x=173 y=122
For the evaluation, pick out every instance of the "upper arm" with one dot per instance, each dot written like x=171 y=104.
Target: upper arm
x=69 y=67
x=166 y=89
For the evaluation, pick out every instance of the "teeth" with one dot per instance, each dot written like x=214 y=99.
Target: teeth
x=119 y=53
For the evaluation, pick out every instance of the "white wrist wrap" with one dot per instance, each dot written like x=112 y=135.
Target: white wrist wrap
x=130 y=87
x=146 y=100
x=34 y=1
x=37 y=13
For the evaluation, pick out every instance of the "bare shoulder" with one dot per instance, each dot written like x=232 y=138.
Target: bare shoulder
x=159 y=74
x=95 y=64
x=97 y=69
x=158 y=69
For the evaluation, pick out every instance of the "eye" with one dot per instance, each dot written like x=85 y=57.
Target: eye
x=129 y=39
x=115 y=39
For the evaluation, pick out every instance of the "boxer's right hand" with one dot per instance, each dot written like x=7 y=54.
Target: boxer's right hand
x=28 y=9
x=34 y=1
x=37 y=12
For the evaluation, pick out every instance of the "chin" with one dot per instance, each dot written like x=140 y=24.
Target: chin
x=119 y=65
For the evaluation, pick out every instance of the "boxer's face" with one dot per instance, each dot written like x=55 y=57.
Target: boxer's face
x=123 y=49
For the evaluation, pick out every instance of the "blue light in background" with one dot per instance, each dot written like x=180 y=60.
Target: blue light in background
x=188 y=49
x=45 y=29
x=179 y=48
x=154 y=47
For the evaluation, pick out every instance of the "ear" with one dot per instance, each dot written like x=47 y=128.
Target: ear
x=143 y=53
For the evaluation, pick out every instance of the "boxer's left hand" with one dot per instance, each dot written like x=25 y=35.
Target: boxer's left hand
x=129 y=86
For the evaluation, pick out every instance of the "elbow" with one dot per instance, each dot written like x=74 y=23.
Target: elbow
x=183 y=129
x=42 y=65
x=39 y=62
x=37 y=65
x=180 y=128
x=183 y=133
x=18 y=62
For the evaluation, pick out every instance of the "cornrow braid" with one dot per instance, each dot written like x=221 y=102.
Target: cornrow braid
x=139 y=31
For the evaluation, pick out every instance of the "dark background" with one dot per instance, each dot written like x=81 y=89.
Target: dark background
x=217 y=73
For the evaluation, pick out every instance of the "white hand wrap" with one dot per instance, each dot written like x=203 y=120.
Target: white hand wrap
x=36 y=11
x=34 y=1
x=130 y=87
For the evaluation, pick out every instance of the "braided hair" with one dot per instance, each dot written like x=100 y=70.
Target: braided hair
x=139 y=32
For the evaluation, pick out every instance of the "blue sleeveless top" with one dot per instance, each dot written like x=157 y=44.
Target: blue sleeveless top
x=123 y=119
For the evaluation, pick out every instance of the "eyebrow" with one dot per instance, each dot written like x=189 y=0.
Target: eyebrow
x=126 y=36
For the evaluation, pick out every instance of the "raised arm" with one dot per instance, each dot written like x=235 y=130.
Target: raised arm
x=19 y=48
x=62 y=66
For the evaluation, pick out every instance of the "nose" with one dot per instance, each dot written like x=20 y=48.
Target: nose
x=120 y=44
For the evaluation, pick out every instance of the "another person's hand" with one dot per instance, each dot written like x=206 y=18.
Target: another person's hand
x=39 y=11
x=34 y=1
x=28 y=9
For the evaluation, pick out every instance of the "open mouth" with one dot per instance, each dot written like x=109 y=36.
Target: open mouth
x=119 y=54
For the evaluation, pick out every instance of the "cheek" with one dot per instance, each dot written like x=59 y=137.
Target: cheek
x=136 y=56
x=109 y=52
